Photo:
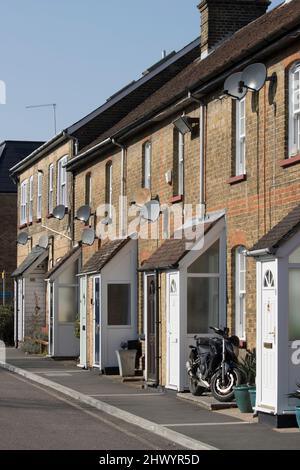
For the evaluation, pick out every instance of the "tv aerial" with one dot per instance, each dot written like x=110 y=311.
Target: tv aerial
x=83 y=213
x=23 y=238
x=88 y=236
x=43 y=241
x=59 y=212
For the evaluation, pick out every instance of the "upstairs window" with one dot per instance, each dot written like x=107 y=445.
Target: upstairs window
x=240 y=292
x=50 y=188
x=30 y=215
x=147 y=151
x=88 y=189
x=240 y=157
x=23 y=205
x=62 y=182
x=178 y=163
x=109 y=188
x=294 y=111
x=39 y=195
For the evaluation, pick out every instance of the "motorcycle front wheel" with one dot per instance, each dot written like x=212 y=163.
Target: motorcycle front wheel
x=195 y=389
x=224 y=391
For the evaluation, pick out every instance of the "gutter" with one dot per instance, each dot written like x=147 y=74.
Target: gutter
x=72 y=164
x=166 y=268
x=262 y=252
x=38 y=153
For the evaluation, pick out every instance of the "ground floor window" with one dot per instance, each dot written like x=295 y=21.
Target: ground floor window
x=294 y=303
x=203 y=289
x=118 y=304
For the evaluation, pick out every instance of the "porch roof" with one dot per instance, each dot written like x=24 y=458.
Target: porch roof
x=99 y=259
x=62 y=260
x=171 y=252
x=280 y=232
x=36 y=253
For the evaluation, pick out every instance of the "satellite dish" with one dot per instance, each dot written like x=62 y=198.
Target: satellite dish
x=88 y=236
x=22 y=238
x=142 y=196
x=59 y=212
x=233 y=86
x=43 y=241
x=83 y=213
x=150 y=211
x=254 y=76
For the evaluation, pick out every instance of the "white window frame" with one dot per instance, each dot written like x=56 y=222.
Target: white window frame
x=180 y=163
x=240 y=292
x=240 y=153
x=30 y=212
x=109 y=183
x=39 y=195
x=294 y=110
x=88 y=189
x=23 y=203
x=62 y=182
x=147 y=164
x=50 y=188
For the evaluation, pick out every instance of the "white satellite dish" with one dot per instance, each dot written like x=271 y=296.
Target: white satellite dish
x=254 y=76
x=88 y=236
x=23 y=238
x=150 y=211
x=59 y=212
x=43 y=241
x=233 y=86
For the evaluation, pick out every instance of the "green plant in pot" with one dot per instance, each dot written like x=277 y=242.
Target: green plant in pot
x=296 y=395
x=245 y=394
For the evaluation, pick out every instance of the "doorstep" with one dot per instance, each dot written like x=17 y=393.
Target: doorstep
x=206 y=401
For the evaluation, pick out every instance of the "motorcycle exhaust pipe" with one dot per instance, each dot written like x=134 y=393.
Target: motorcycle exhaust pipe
x=189 y=369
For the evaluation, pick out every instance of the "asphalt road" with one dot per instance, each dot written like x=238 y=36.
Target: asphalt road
x=32 y=417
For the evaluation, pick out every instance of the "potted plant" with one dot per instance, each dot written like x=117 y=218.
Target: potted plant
x=245 y=394
x=126 y=360
x=296 y=395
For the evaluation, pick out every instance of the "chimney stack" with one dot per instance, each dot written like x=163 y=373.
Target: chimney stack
x=220 y=19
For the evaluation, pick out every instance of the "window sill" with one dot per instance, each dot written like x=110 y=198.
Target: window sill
x=38 y=221
x=175 y=199
x=290 y=161
x=22 y=226
x=49 y=216
x=236 y=179
x=29 y=223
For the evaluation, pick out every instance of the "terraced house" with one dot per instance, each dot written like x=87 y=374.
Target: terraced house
x=192 y=143
x=49 y=257
x=228 y=165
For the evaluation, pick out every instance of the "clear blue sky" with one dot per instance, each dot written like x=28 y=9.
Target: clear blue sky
x=76 y=53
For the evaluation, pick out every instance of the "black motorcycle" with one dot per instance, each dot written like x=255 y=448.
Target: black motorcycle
x=212 y=365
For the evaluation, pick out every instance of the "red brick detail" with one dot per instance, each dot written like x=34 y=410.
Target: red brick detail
x=38 y=221
x=290 y=161
x=236 y=179
x=49 y=216
x=22 y=226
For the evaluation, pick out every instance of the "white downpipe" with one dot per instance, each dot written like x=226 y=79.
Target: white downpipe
x=202 y=166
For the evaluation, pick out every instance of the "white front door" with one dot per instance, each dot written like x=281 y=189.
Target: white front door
x=173 y=359
x=83 y=361
x=20 y=310
x=268 y=335
x=97 y=321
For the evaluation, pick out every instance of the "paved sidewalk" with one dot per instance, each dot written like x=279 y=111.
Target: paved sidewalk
x=219 y=429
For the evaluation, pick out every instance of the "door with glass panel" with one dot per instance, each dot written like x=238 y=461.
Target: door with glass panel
x=268 y=334
x=97 y=321
x=66 y=300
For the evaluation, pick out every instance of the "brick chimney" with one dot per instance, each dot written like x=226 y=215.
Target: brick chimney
x=222 y=18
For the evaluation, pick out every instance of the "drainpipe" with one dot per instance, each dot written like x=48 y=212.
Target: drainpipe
x=17 y=314
x=123 y=183
x=157 y=328
x=72 y=214
x=202 y=152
